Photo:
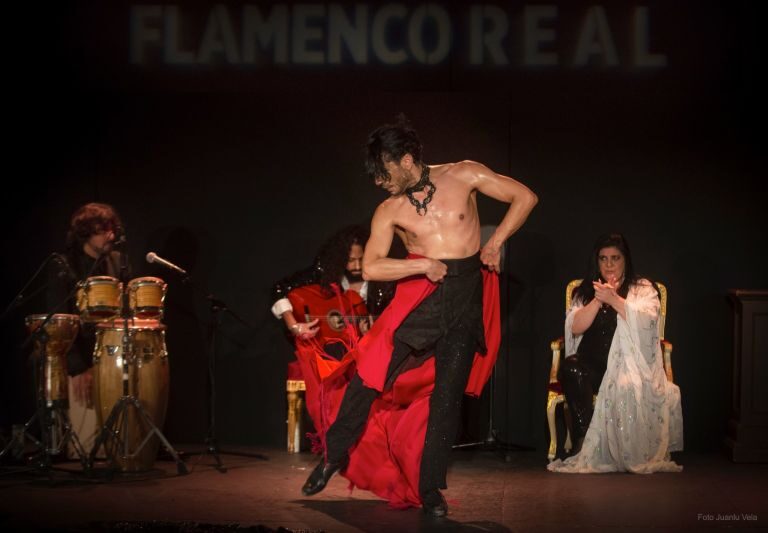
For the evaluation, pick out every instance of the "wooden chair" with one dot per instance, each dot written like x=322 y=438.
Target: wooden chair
x=555 y=390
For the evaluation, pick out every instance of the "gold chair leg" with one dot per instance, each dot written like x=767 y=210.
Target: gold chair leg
x=551 y=406
x=295 y=400
x=294 y=421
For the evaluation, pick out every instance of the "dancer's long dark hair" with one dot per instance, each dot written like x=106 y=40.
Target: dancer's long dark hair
x=391 y=142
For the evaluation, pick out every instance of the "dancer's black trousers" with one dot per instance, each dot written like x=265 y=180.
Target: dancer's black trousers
x=449 y=324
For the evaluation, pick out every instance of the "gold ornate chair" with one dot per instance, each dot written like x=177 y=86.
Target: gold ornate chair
x=555 y=390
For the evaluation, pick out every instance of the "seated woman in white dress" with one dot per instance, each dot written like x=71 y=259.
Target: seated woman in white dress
x=612 y=344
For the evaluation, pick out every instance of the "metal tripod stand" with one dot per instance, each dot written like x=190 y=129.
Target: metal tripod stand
x=51 y=414
x=211 y=444
x=217 y=307
x=492 y=440
x=116 y=435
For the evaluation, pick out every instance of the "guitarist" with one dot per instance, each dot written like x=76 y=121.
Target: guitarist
x=339 y=261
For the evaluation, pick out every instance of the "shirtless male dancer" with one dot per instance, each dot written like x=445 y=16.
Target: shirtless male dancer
x=433 y=209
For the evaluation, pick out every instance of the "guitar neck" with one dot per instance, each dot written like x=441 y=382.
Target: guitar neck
x=310 y=318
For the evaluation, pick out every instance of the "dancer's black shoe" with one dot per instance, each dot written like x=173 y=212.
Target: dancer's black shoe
x=433 y=503
x=320 y=476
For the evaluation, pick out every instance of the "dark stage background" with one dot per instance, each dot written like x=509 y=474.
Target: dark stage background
x=238 y=173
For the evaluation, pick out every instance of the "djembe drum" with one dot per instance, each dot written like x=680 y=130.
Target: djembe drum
x=60 y=331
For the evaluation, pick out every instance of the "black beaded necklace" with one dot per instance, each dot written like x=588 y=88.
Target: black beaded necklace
x=423 y=184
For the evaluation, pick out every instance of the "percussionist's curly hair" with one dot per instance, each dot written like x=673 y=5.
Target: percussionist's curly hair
x=91 y=219
x=332 y=257
x=391 y=142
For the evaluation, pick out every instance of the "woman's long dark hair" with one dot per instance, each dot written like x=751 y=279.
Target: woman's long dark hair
x=586 y=292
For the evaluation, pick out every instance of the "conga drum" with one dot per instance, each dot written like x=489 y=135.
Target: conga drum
x=148 y=376
x=99 y=298
x=146 y=296
x=61 y=331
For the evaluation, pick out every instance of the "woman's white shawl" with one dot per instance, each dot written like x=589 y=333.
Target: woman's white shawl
x=638 y=419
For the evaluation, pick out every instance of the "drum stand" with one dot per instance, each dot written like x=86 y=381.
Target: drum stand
x=55 y=428
x=116 y=428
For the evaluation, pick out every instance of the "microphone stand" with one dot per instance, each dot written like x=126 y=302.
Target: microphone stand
x=211 y=443
x=217 y=307
x=20 y=299
x=492 y=440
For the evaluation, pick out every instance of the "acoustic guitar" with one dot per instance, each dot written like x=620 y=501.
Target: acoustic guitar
x=335 y=311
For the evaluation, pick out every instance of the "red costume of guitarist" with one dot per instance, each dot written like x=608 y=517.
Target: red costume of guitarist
x=323 y=391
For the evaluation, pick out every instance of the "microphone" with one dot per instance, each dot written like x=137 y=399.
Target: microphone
x=152 y=257
x=119 y=237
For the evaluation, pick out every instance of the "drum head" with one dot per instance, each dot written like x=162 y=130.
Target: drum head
x=134 y=324
x=33 y=321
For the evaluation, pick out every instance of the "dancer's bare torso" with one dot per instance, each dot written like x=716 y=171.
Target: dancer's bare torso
x=450 y=228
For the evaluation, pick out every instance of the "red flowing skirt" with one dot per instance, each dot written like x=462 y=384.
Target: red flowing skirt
x=387 y=457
